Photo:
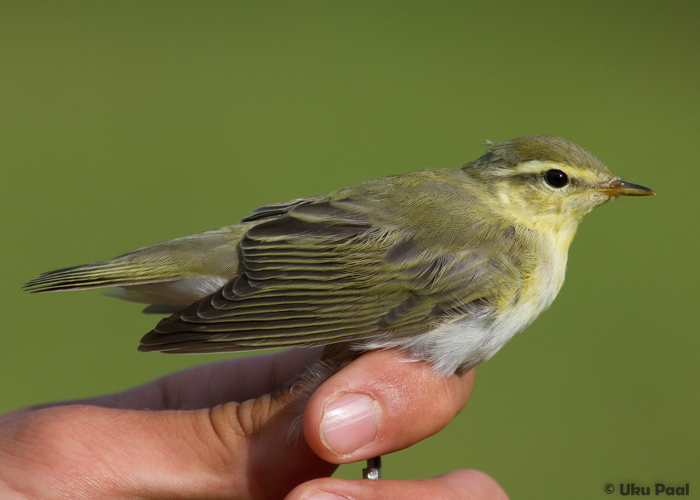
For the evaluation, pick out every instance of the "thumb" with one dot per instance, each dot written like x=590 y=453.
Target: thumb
x=230 y=450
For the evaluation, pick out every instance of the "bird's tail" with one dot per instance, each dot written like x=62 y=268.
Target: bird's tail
x=120 y=271
x=178 y=271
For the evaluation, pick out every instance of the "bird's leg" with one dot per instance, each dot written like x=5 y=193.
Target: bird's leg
x=374 y=469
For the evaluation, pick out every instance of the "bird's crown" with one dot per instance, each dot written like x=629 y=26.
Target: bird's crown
x=544 y=148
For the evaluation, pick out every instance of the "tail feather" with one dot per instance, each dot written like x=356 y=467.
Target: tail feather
x=175 y=272
x=99 y=275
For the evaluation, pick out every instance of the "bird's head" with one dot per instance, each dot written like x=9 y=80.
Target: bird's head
x=546 y=183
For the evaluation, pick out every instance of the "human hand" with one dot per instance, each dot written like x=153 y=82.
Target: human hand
x=220 y=431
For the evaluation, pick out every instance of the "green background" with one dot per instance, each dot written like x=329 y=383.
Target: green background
x=127 y=123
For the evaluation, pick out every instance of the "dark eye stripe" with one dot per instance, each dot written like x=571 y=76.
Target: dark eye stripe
x=556 y=178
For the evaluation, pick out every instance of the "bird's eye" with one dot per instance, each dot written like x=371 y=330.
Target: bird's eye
x=556 y=178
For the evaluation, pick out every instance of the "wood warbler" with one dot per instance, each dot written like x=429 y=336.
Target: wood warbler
x=446 y=264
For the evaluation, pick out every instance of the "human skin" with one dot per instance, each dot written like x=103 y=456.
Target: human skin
x=221 y=431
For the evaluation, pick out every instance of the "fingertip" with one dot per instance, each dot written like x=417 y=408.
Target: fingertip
x=350 y=422
x=381 y=403
x=457 y=485
x=477 y=483
x=325 y=489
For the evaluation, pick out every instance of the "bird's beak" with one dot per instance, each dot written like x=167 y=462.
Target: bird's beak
x=618 y=187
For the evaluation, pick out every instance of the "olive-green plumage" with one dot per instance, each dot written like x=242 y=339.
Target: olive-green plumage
x=448 y=264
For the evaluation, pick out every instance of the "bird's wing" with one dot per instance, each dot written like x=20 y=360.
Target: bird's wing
x=322 y=273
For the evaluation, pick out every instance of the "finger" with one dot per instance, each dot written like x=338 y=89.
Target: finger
x=230 y=451
x=208 y=385
x=458 y=485
x=381 y=403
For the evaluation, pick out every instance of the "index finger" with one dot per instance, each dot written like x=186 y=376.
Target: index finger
x=208 y=385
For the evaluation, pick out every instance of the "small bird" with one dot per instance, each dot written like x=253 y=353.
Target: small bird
x=445 y=264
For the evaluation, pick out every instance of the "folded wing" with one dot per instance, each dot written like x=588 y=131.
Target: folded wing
x=321 y=273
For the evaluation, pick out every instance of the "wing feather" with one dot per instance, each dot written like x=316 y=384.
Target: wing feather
x=318 y=273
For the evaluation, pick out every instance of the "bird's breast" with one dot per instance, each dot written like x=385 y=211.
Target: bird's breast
x=539 y=291
x=465 y=342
